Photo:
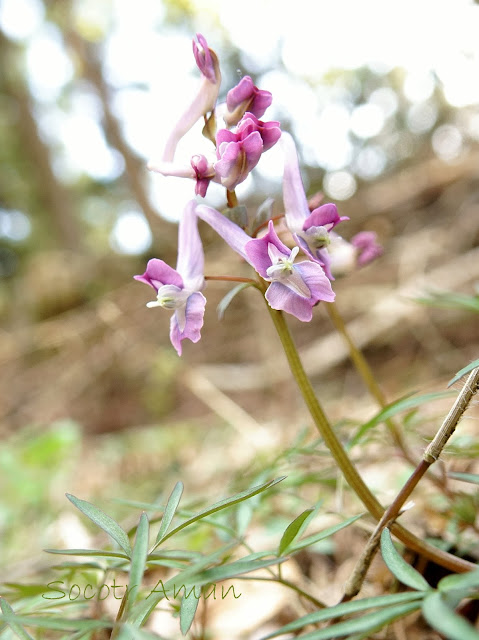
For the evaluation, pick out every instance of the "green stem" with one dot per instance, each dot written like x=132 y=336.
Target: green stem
x=349 y=471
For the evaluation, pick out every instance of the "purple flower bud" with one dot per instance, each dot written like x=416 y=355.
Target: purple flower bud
x=239 y=151
x=205 y=58
x=270 y=132
x=236 y=158
x=204 y=171
x=369 y=249
x=246 y=97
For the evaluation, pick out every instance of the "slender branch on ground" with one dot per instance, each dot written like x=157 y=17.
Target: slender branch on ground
x=430 y=456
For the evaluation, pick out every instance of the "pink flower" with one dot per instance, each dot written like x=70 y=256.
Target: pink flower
x=239 y=151
x=179 y=290
x=246 y=97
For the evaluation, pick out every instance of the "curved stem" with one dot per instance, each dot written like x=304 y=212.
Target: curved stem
x=344 y=463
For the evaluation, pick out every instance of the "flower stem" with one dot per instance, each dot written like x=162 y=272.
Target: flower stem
x=341 y=457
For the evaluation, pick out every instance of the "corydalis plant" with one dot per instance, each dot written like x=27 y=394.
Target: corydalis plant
x=289 y=284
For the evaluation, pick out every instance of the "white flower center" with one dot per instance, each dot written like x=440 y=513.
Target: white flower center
x=317 y=237
x=283 y=270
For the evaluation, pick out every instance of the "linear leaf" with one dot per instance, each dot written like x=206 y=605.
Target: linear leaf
x=367 y=623
x=10 y=619
x=228 y=298
x=188 y=607
x=445 y=620
x=106 y=523
x=62 y=624
x=88 y=552
x=138 y=560
x=292 y=530
x=460 y=581
x=233 y=569
x=473 y=478
x=321 y=535
x=346 y=608
x=223 y=504
x=399 y=567
x=403 y=404
x=170 y=510
x=462 y=372
x=144 y=608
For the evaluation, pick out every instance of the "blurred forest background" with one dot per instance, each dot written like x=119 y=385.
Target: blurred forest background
x=383 y=100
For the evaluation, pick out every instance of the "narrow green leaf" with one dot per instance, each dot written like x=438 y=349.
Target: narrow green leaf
x=143 y=609
x=321 y=535
x=399 y=567
x=403 y=404
x=129 y=632
x=138 y=561
x=292 y=531
x=88 y=552
x=106 y=523
x=228 y=298
x=450 y=300
x=346 y=608
x=10 y=619
x=223 y=504
x=445 y=620
x=188 y=607
x=170 y=510
x=473 y=478
x=61 y=624
x=368 y=623
x=462 y=372
x=233 y=569
x=460 y=581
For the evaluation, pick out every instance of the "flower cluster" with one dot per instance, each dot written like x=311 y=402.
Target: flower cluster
x=290 y=285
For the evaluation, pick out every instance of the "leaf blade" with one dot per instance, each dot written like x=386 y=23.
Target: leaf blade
x=170 y=510
x=399 y=567
x=100 y=518
x=445 y=620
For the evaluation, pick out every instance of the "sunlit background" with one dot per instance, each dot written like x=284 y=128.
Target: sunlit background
x=364 y=87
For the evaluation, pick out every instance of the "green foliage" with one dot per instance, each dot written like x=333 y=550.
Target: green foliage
x=398 y=566
x=403 y=404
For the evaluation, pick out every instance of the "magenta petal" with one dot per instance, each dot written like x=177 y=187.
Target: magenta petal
x=225 y=135
x=324 y=216
x=282 y=298
x=159 y=273
x=243 y=91
x=195 y=309
x=316 y=281
x=257 y=250
x=237 y=159
x=203 y=58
